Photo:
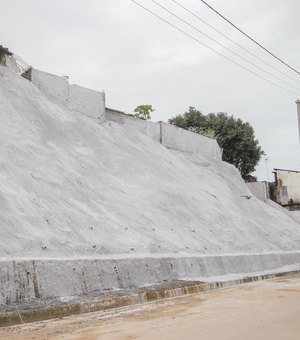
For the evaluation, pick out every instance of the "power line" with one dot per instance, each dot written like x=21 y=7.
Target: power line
x=210 y=48
x=226 y=48
x=248 y=36
x=234 y=42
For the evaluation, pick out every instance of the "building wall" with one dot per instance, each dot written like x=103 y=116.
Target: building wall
x=259 y=190
x=85 y=101
x=288 y=187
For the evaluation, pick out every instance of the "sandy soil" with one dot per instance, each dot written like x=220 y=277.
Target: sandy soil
x=263 y=310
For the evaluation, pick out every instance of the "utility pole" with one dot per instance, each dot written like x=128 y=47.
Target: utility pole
x=267 y=168
x=298 y=112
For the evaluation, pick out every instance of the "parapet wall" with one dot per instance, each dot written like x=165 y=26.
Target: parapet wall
x=171 y=136
x=150 y=129
x=92 y=104
x=54 y=87
x=85 y=101
x=177 y=138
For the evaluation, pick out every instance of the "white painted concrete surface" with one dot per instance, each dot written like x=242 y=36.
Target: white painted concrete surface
x=170 y=136
x=182 y=140
x=259 y=190
x=89 y=102
x=147 y=128
x=55 y=87
x=48 y=279
x=77 y=98
x=73 y=192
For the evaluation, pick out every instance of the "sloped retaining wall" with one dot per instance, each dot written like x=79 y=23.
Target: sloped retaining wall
x=27 y=281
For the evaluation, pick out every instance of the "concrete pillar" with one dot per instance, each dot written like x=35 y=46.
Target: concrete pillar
x=298 y=112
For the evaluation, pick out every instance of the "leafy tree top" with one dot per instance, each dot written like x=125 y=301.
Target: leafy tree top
x=143 y=111
x=235 y=137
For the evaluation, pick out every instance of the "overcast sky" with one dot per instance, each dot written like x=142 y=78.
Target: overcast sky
x=116 y=46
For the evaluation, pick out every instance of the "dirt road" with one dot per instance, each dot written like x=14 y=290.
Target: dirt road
x=263 y=310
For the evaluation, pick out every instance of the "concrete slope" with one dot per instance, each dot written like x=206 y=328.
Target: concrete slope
x=73 y=192
x=78 y=188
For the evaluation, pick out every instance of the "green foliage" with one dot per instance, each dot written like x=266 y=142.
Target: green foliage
x=143 y=111
x=236 y=137
x=207 y=132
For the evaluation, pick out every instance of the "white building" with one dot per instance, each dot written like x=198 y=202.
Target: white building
x=287 y=188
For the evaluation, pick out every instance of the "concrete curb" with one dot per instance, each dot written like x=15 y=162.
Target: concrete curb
x=114 y=301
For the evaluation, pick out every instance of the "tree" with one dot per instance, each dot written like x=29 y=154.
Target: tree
x=143 y=111
x=234 y=136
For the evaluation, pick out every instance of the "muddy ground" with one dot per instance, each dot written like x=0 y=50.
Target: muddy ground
x=263 y=310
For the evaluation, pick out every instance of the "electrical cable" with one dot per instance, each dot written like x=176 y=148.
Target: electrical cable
x=234 y=42
x=226 y=48
x=210 y=48
x=248 y=36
